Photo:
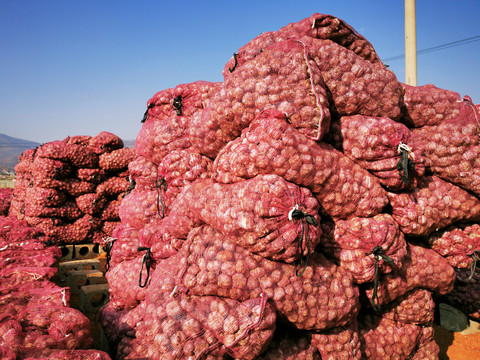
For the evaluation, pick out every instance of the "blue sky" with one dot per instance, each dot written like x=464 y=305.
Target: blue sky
x=80 y=67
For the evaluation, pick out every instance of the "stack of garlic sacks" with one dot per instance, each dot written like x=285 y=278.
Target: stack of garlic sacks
x=310 y=206
x=71 y=189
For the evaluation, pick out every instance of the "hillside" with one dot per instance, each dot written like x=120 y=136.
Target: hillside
x=10 y=150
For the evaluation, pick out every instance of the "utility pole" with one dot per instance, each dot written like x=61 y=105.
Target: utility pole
x=410 y=44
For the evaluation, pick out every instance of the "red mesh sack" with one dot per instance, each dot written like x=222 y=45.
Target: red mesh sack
x=433 y=205
x=91 y=203
x=427 y=349
x=125 y=244
x=139 y=207
x=429 y=105
x=72 y=186
x=272 y=146
x=70 y=233
x=181 y=167
x=78 y=139
x=341 y=342
x=95 y=176
x=318 y=26
x=357 y=86
x=40 y=292
x=182 y=100
x=116 y=160
x=178 y=325
x=57 y=149
x=452 y=147
x=56 y=169
x=6 y=353
x=266 y=215
x=290 y=344
x=6 y=195
x=384 y=148
x=68 y=211
x=156 y=237
x=113 y=186
x=366 y=247
x=415 y=307
x=129 y=280
x=458 y=244
x=14 y=231
x=282 y=77
x=132 y=348
x=157 y=138
x=382 y=338
x=45 y=197
x=73 y=355
x=22 y=275
x=319 y=296
x=105 y=142
x=118 y=323
x=46 y=328
x=44 y=257
x=422 y=268
x=143 y=173
x=24 y=164
x=111 y=211
x=33 y=244
x=79 y=156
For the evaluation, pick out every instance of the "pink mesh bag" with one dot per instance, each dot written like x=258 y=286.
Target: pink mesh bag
x=319 y=26
x=367 y=247
x=451 y=147
x=382 y=338
x=182 y=100
x=459 y=244
x=341 y=342
x=422 y=268
x=178 y=325
x=316 y=297
x=434 y=204
x=266 y=215
x=272 y=146
x=282 y=77
x=384 y=148
x=429 y=105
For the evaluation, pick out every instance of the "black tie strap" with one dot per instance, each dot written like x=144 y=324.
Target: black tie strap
x=149 y=106
x=378 y=253
x=405 y=164
x=296 y=214
x=146 y=262
x=177 y=105
x=160 y=185
x=108 y=249
x=236 y=63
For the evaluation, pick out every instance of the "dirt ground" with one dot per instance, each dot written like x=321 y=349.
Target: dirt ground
x=463 y=345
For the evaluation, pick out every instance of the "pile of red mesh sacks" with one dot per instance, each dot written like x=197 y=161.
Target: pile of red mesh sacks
x=36 y=321
x=71 y=189
x=307 y=207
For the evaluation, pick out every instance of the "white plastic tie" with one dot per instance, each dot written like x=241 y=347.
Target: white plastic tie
x=174 y=291
x=404 y=147
x=290 y=213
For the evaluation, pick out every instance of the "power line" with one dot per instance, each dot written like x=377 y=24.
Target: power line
x=438 y=47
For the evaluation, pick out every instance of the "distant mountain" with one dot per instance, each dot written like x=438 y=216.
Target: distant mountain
x=11 y=148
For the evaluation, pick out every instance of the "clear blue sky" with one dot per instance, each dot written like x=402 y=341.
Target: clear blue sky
x=71 y=67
